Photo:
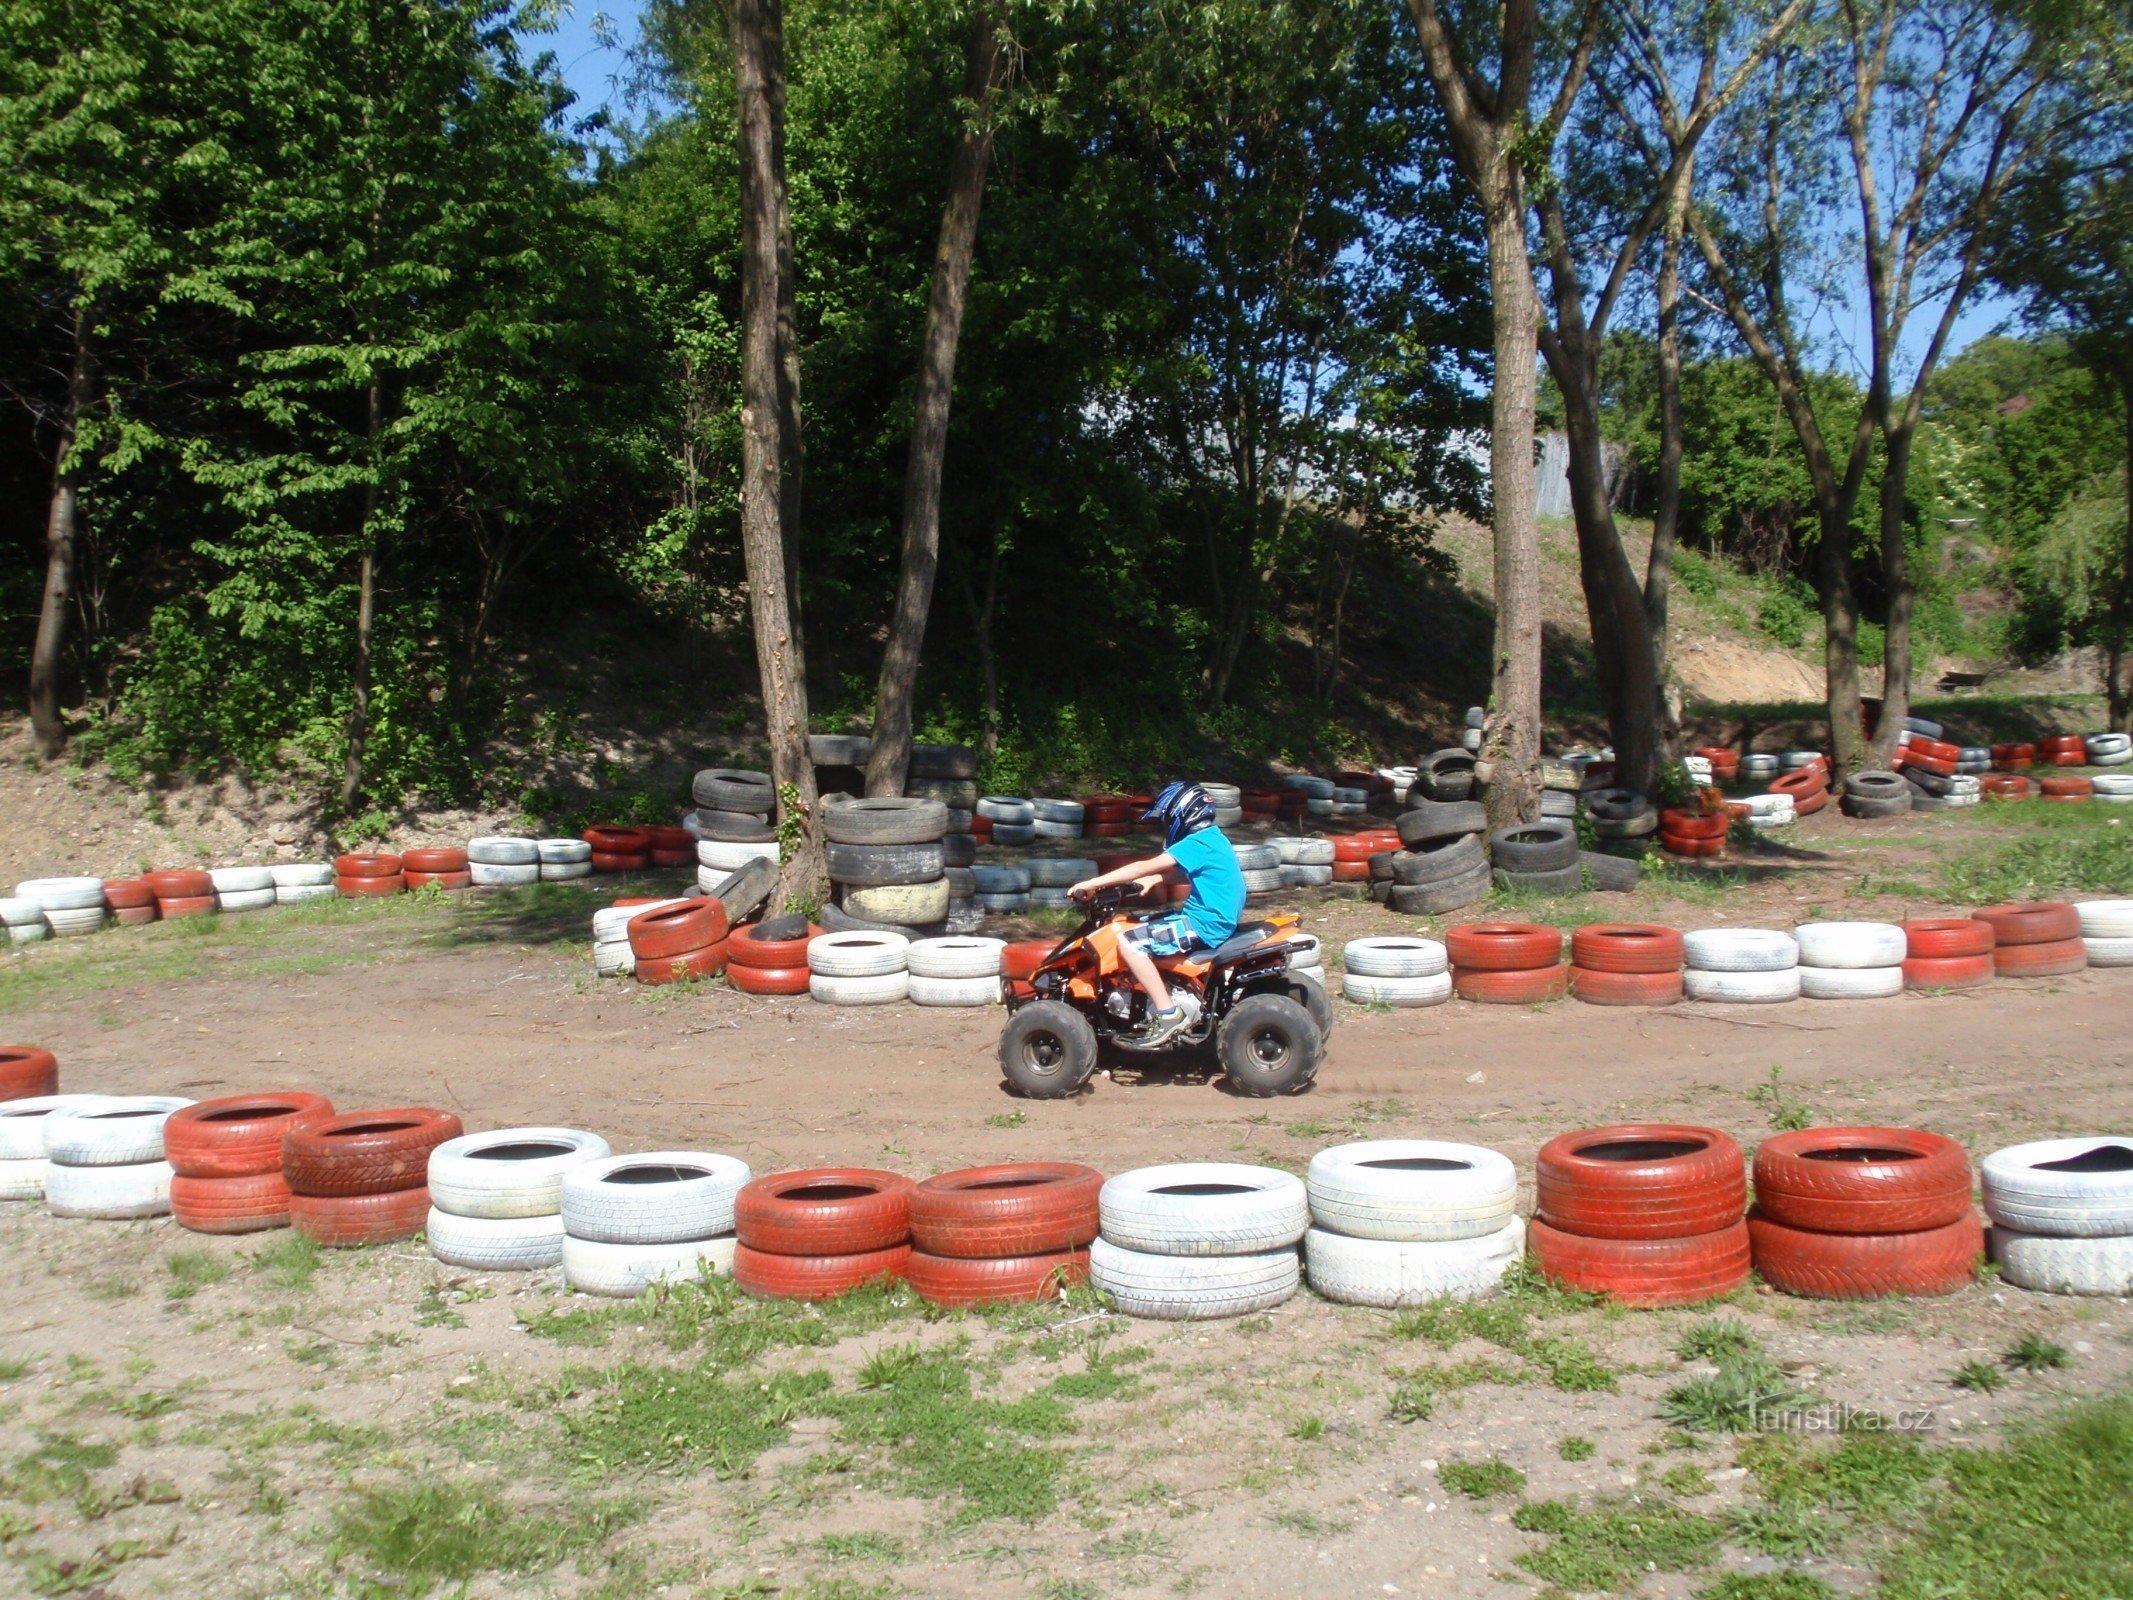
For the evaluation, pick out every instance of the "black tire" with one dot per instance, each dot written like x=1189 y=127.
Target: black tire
x=1457 y=858
x=885 y=821
x=958 y=794
x=777 y=929
x=958 y=850
x=747 y=889
x=1895 y=805
x=1617 y=805
x=1382 y=865
x=962 y=882
x=1875 y=785
x=1431 y=820
x=735 y=789
x=1381 y=890
x=839 y=749
x=1641 y=826
x=1269 y=1045
x=1928 y=783
x=872 y=865
x=1610 y=874
x=1047 y=1050
x=1434 y=899
x=734 y=827
x=957 y=761
x=1545 y=846
x=838 y=920
x=1559 y=880
x=1448 y=775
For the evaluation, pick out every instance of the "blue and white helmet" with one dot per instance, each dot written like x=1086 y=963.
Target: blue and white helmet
x=1181 y=808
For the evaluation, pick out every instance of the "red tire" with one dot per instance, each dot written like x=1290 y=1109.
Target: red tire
x=747 y=948
x=1626 y=947
x=230 y=1205
x=344 y=1221
x=1023 y=956
x=1800 y=783
x=1854 y=1266
x=370 y=888
x=366 y=1152
x=708 y=962
x=1947 y=972
x=764 y=980
x=133 y=916
x=367 y=864
x=618 y=841
x=26 y=1070
x=2004 y=786
x=443 y=880
x=433 y=861
x=1679 y=1271
x=1809 y=804
x=1862 y=1180
x=1106 y=830
x=191 y=905
x=2030 y=922
x=238 y=1136
x=770 y=1276
x=1938 y=938
x=2068 y=760
x=981 y=829
x=999 y=1281
x=2063 y=744
x=1023 y=1208
x=824 y=1211
x=666 y=836
x=1932 y=749
x=179 y=885
x=1935 y=764
x=1530 y=986
x=1677 y=845
x=1692 y=824
x=1641 y=1180
x=1503 y=946
x=2066 y=788
x=1351 y=872
x=677 y=929
x=611 y=861
x=2007 y=754
x=129 y=894
x=671 y=858
x=1358 y=847
x=1602 y=988
x=2054 y=960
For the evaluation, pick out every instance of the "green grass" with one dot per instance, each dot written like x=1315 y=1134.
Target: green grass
x=727 y=1326
x=191 y=1271
x=13 y=1367
x=2035 y=1353
x=1713 y=1338
x=1740 y=1395
x=2039 y=848
x=1479 y=1480
x=861 y=1547
x=1687 y=1480
x=1767 y=1586
x=1608 y=1549
x=652 y=1418
x=1982 y=1376
x=1576 y=1447
x=290 y=1262
x=423 y=1535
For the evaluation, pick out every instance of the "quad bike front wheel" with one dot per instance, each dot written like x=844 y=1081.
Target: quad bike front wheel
x=1269 y=1044
x=1047 y=1050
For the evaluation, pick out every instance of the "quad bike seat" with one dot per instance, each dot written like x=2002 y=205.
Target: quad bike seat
x=1221 y=955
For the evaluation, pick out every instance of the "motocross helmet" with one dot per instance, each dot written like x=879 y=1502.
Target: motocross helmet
x=1181 y=808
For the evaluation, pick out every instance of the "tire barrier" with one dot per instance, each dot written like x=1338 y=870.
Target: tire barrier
x=821 y=1232
x=104 y=1157
x=496 y=1199
x=1507 y=963
x=1397 y=1222
x=1648 y=1212
x=2107 y=931
x=1006 y=1234
x=27 y=1072
x=1626 y=964
x=2061 y=1213
x=1395 y=971
x=2035 y=939
x=1851 y=960
x=225 y=1156
x=632 y=1222
x=1199 y=1240
x=361 y=1177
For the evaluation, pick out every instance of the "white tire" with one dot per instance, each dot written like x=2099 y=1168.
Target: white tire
x=625 y=1271
x=62 y=894
x=1000 y=880
x=1303 y=782
x=1925 y=726
x=19 y=911
x=1850 y=983
x=1257 y=858
x=1851 y=944
x=2113 y=785
x=2073 y=1188
x=613 y=922
x=301 y=874
x=22 y=1122
x=28 y=933
x=88 y=919
x=2109 y=744
x=1305 y=951
x=858 y=954
x=1793 y=760
x=509 y=1172
x=500 y=850
x=1758 y=766
x=2105 y=919
x=1056 y=830
x=613 y=958
x=724 y=858
x=296 y=894
x=1058 y=872
x=1774 y=819
x=1740 y=950
x=240 y=880
x=2109 y=952
x=1311 y=852
x=1268 y=882
x=953 y=991
x=1392 y=1272
x=1300 y=877
x=1204 y=1208
x=1042 y=810
x=137 y=1189
x=1767 y=806
x=495 y=1244
x=553 y=851
x=877 y=989
x=1006 y=808
x=909 y=904
x=246 y=899
x=1394 y=956
x=563 y=871
x=1192 y=1288
x=498 y=875
x=659 y=1197
x=1001 y=902
x=23 y=1179
x=1743 y=988
x=1364 y=990
x=112 y=1131
x=2063 y=1266
x=1411 y=1189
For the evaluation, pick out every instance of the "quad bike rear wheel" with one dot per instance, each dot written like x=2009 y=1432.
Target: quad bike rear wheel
x=1268 y=1045
x=1311 y=996
x=1047 y=1050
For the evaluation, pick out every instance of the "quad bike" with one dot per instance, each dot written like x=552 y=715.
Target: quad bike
x=1268 y=1024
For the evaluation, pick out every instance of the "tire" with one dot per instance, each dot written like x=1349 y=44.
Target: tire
x=486 y=875
x=1645 y=1272
x=1306 y=852
x=958 y=850
x=1257 y=858
x=179 y=885
x=346 y=888
x=1431 y=820
x=1626 y=988
x=731 y=827
x=1047 y=1050
x=871 y=866
x=1617 y=805
x=358 y=864
x=1543 y=846
x=767 y=980
x=110 y=1131
x=1640 y=1181
x=782 y=1277
x=1677 y=845
x=1204 y=1209
x=720 y=857
x=2070 y=1188
x=944 y=761
x=952 y=992
x=2033 y=922
x=1563 y=880
x=1851 y=983
x=1837 y=1266
x=22 y=1122
x=508 y=1173
x=1014 y=833
x=957 y=794
x=839 y=749
x=1641 y=827
x=78 y=894
x=1875 y=785
x=257 y=1203
x=1740 y=950
x=885 y=821
x=495 y=1244
x=427 y=860
x=171 y=910
x=1411 y=1190
x=1269 y=1044
x=960 y=957
x=857 y=955
x=677 y=928
x=260 y=899
x=1058 y=872
x=1850 y=945
x=1531 y=986
x=960 y=1283
x=311 y=874
x=1387 y=1272
x=824 y=1211
x=1626 y=947
x=1742 y=988
x=1862 y=1180
x=1937 y=938
x=1866 y=809
x=27 y=1072
x=708 y=962
x=1440 y=863
x=1393 y=956
x=1001 y=880
x=2060 y=1265
x=743 y=891
x=1503 y=946
x=903 y=905
x=363 y=1153
x=1610 y=874
x=495 y=850
x=2109 y=952
x=108 y=1193
x=625 y=1271
x=1947 y=972
x=1184 y=1288
x=1401 y=992
x=2055 y=960
x=23 y=1179
x=1677 y=823
x=1025 y=1208
x=881 y=989
x=1006 y=808
x=1305 y=877
x=735 y=789
x=238 y=1136
x=1924 y=784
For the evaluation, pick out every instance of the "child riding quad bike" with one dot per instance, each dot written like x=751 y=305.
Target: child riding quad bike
x=1269 y=1024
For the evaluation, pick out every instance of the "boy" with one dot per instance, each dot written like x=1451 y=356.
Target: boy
x=1200 y=850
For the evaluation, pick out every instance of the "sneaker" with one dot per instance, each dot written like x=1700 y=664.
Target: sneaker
x=1163 y=1026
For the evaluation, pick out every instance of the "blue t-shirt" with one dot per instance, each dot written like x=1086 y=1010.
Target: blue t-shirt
x=1217 y=898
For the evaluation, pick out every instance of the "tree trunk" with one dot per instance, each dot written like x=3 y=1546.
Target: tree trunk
x=1666 y=508
x=1512 y=740
x=1840 y=626
x=769 y=424
x=46 y=654
x=2118 y=694
x=366 y=611
x=1896 y=575
x=890 y=758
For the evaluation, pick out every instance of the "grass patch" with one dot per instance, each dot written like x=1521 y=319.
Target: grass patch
x=1687 y=1480
x=860 y=1547
x=290 y=1262
x=2035 y=1353
x=1607 y=1550
x=2051 y=849
x=1576 y=1448
x=191 y=1271
x=727 y=1326
x=428 y=1534
x=1747 y=1387
x=1981 y=1376
x=1478 y=1480
x=1767 y=1586
x=1715 y=1337
x=1506 y=1321
x=659 y=1418
x=13 y=1367
x=1810 y=1493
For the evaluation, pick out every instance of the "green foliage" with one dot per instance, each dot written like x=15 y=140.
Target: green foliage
x=2060 y=849
x=1607 y=1550
x=2035 y=1353
x=1983 y=1377
x=424 y=1535
x=1479 y=1480
x=1786 y=1114
x=1576 y=1447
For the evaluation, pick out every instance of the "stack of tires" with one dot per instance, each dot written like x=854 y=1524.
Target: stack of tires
x=1349 y=800
x=1229 y=804
x=1395 y=971
x=1622 y=819
x=1934 y=783
x=719 y=859
x=225 y=1157
x=1056 y=819
x=365 y=875
x=564 y=860
x=1396 y=1222
x=1758 y=766
x=1975 y=759
x=1258 y=805
x=666 y=1216
x=678 y=940
x=2106 y=931
x=1507 y=963
x=1317 y=793
x=1470 y=739
x=24 y=919
x=1724 y=761
x=617 y=849
x=2109 y=749
x=1261 y=866
x=2115 y=788
x=671 y=846
x=68 y=905
x=886 y=863
x=362 y=1177
x=183 y=892
x=2005 y=786
x=496 y=1199
x=1647 y=1212
x=2035 y=939
x=1808 y=787
x=959 y=970
x=1352 y=855
x=612 y=955
x=1000 y=890
x=431 y=867
x=1932 y=757
x=1694 y=833
x=130 y=900
x=1003 y=1235
x=1698 y=771
x=1860 y=1213
x=947 y=773
x=1008 y=819
x=27 y=1072
x=244 y=888
x=1311 y=863
x=819 y=1233
x=22 y=1158
x=2013 y=757
x=1051 y=876
x=1538 y=856
x=1113 y=816
x=734 y=806
x=2063 y=750
x=1445 y=862
x=1740 y=966
x=2062 y=1214
x=1447 y=775
x=859 y=967
x=104 y=1157
x=495 y=861
x=1851 y=960
x=1199 y=1240
x=1626 y=964
x=1947 y=953
x=770 y=957
x=2067 y=790
x=1875 y=794
x=298 y=881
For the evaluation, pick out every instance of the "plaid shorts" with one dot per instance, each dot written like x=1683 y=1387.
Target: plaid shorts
x=1164 y=935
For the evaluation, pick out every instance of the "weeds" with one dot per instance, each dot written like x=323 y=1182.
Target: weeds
x=1576 y=1448
x=1786 y=1115
x=435 y=1533
x=1480 y=1480
x=1982 y=1376
x=191 y=1271
x=1715 y=1337
x=1609 y=1549
x=2035 y=1353
x=1746 y=1387
x=290 y=1262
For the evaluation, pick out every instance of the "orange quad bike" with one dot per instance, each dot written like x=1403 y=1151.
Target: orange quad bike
x=1268 y=1022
